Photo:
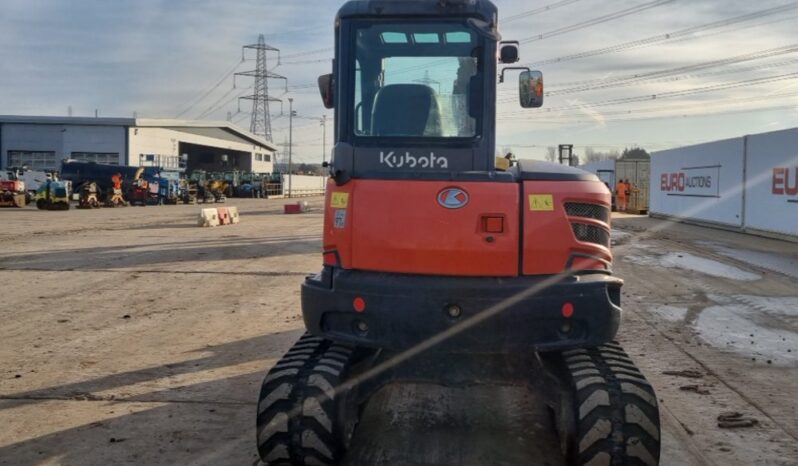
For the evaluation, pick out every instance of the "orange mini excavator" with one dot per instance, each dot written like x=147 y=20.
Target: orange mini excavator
x=437 y=259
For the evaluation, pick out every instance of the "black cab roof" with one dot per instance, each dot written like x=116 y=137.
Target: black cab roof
x=482 y=9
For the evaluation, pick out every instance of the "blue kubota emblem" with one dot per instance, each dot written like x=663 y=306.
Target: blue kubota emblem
x=453 y=198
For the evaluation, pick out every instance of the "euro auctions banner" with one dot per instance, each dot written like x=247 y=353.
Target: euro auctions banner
x=702 y=182
x=692 y=181
x=771 y=202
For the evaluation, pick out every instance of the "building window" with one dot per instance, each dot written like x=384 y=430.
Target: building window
x=259 y=157
x=34 y=160
x=267 y=157
x=169 y=162
x=105 y=158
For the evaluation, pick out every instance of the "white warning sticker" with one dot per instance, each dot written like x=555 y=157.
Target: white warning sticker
x=340 y=218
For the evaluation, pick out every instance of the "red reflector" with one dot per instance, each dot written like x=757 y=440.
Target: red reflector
x=567 y=310
x=331 y=258
x=359 y=304
x=493 y=224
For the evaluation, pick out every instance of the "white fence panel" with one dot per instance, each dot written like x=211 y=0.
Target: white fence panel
x=771 y=202
x=702 y=182
x=304 y=185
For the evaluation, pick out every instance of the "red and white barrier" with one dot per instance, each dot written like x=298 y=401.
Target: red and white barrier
x=218 y=216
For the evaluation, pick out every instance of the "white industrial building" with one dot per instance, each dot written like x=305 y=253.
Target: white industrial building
x=41 y=143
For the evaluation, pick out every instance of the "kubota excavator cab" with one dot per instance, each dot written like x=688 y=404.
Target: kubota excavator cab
x=441 y=266
x=421 y=230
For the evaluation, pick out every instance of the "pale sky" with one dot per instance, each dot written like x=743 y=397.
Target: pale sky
x=158 y=57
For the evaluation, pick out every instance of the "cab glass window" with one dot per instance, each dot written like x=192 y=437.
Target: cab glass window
x=416 y=80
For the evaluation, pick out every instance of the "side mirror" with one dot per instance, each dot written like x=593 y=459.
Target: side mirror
x=530 y=87
x=326 y=89
x=509 y=53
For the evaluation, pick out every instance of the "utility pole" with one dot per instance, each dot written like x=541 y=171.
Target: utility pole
x=290 y=141
x=261 y=123
x=323 y=139
x=567 y=153
x=285 y=150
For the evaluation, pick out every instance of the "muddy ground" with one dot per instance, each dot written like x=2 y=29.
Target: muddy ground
x=131 y=336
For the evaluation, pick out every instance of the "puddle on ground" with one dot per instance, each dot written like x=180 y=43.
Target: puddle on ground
x=754 y=326
x=620 y=237
x=670 y=313
x=687 y=261
x=768 y=261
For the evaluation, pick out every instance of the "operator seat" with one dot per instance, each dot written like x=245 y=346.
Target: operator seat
x=406 y=110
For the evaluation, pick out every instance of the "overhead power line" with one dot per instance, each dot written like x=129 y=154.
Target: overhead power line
x=637 y=118
x=536 y=11
x=668 y=36
x=306 y=53
x=205 y=94
x=669 y=110
x=759 y=55
x=507 y=19
x=557 y=32
x=213 y=107
x=306 y=62
x=218 y=105
x=597 y=20
x=671 y=74
x=680 y=93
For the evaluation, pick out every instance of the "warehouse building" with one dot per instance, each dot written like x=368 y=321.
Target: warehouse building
x=41 y=143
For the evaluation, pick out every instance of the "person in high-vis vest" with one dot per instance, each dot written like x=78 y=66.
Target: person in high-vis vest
x=620 y=195
x=630 y=190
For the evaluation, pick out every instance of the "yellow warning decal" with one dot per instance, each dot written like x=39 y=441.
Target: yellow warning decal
x=541 y=202
x=339 y=200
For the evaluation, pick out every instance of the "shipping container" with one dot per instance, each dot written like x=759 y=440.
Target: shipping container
x=604 y=169
x=638 y=173
x=702 y=182
x=771 y=182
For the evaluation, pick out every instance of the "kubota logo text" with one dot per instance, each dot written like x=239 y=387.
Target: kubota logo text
x=422 y=161
x=453 y=198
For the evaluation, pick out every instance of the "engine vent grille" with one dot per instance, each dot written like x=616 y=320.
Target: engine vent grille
x=591 y=234
x=594 y=211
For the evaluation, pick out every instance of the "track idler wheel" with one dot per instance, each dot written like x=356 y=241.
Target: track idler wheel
x=614 y=417
x=301 y=414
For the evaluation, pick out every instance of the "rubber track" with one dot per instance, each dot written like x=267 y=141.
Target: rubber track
x=615 y=407
x=297 y=422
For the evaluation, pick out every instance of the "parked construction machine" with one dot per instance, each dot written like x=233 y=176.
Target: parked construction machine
x=117 y=185
x=12 y=193
x=211 y=187
x=30 y=179
x=89 y=196
x=442 y=264
x=53 y=194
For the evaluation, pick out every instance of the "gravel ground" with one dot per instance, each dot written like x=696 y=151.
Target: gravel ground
x=131 y=336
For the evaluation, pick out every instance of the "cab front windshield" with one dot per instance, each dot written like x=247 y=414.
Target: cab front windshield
x=414 y=80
